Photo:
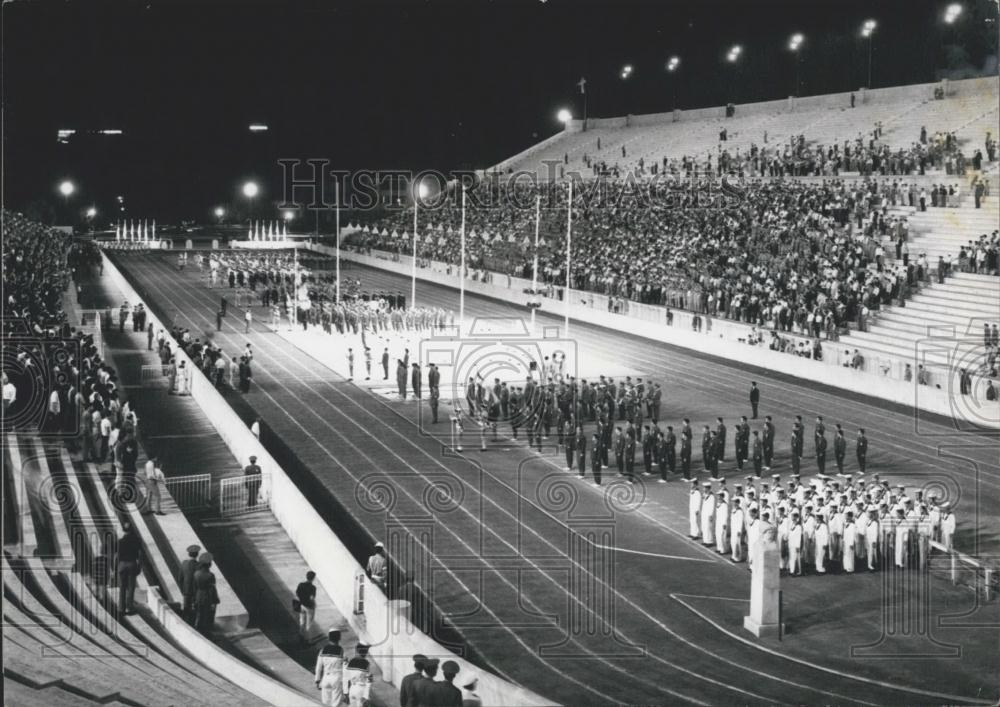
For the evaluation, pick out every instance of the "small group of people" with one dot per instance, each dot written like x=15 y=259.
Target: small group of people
x=421 y=688
x=197 y=583
x=340 y=680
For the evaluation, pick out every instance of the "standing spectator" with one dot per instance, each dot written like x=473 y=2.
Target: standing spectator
x=149 y=337
x=378 y=568
x=305 y=594
x=358 y=679
x=188 y=568
x=754 y=398
x=247 y=321
x=445 y=693
x=154 y=477
x=129 y=566
x=252 y=480
x=206 y=598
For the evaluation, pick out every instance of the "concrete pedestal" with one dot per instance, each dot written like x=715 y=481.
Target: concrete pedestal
x=764 y=584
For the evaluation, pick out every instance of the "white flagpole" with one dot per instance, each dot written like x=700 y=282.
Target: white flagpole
x=534 y=267
x=461 y=272
x=569 y=240
x=337 y=233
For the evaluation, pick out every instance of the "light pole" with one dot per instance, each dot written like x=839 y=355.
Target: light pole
x=732 y=57
x=671 y=67
x=219 y=213
x=867 y=30
x=793 y=45
x=337 y=234
x=419 y=192
x=66 y=188
x=250 y=190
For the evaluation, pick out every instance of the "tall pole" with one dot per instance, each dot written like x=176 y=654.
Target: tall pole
x=295 y=289
x=569 y=240
x=534 y=266
x=461 y=271
x=413 y=270
x=337 y=203
x=869 y=84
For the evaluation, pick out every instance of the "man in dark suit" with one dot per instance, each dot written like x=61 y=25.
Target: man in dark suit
x=839 y=449
x=861 y=449
x=444 y=693
x=706 y=447
x=720 y=432
x=407 y=687
x=821 y=453
x=670 y=453
x=187 y=570
x=754 y=398
x=768 y=442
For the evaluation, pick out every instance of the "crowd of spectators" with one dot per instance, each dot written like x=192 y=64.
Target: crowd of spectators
x=789 y=255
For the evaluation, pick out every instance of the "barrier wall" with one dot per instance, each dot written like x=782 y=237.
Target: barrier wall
x=393 y=638
x=720 y=338
x=216 y=659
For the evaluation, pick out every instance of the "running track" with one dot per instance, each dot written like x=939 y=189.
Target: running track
x=509 y=567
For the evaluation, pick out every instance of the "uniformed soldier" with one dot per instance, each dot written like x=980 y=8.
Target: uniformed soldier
x=206 y=598
x=722 y=523
x=596 y=454
x=647 y=452
x=796 y=451
x=758 y=453
x=670 y=452
x=839 y=449
x=686 y=454
x=768 y=442
x=795 y=539
x=581 y=451
x=742 y=442
x=435 y=396
x=655 y=401
x=720 y=432
x=861 y=448
x=329 y=670
x=630 y=458
x=754 y=398
x=620 y=450
x=707 y=515
x=819 y=430
x=706 y=447
x=187 y=570
x=736 y=529
x=694 y=510
x=715 y=452
x=821 y=452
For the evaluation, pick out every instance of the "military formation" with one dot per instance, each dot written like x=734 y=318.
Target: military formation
x=842 y=522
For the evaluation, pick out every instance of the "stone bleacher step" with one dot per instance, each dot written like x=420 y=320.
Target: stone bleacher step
x=942 y=296
x=19 y=694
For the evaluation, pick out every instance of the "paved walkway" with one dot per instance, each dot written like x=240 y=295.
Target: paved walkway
x=252 y=551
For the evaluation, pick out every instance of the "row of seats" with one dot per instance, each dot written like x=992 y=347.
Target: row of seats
x=57 y=606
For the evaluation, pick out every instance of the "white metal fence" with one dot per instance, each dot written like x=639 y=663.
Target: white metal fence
x=244 y=494
x=191 y=493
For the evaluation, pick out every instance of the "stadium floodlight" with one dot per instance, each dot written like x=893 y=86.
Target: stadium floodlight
x=91 y=212
x=952 y=12
x=288 y=215
x=868 y=28
x=626 y=71
x=250 y=190
x=67 y=188
x=219 y=212
x=734 y=53
x=564 y=116
x=258 y=128
x=795 y=41
x=422 y=190
x=673 y=63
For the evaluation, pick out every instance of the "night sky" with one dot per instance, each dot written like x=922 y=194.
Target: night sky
x=410 y=85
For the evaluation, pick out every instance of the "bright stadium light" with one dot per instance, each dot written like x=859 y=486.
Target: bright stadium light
x=258 y=128
x=219 y=212
x=952 y=12
x=67 y=188
x=626 y=71
x=288 y=215
x=250 y=190
x=91 y=212
x=422 y=190
x=734 y=53
x=795 y=42
x=564 y=116
x=868 y=28
x=673 y=63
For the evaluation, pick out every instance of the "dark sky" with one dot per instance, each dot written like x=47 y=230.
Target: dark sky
x=378 y=84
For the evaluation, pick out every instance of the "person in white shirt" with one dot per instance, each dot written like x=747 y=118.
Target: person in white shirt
x=154 y=477
x=9 y=393
x=708 y=516
x=784 y=525
x=795 y=539
x=947 y=526
x=736 y=528
x=849 y=543
x=902 y=538
x=721 y=524
x=753 y=533
x=694 y=511
x=873 y=533
x=821 y=542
